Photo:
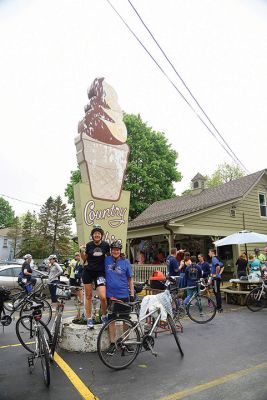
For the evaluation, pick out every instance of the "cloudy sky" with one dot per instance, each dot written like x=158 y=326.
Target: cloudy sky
x=52 y=50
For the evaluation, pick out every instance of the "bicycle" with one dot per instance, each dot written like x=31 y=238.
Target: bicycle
x=23 y=305
x=257 y=299
x=36 y=338
x=63 y=294
x=15 y=298
x=200 y=308
x=121 y=340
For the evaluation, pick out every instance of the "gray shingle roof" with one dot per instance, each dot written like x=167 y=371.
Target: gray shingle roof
x=165 y=210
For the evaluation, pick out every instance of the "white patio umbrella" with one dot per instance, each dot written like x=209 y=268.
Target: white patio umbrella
x=242 y=237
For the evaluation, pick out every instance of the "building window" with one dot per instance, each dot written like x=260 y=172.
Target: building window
x=195 y=185
x=262 y=202
x=5 y=242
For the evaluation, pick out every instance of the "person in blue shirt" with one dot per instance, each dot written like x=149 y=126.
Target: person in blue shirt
x=216 y=276
x=119 y=282
x=172 y=263
x=204 y=265
x=193 y=273
x=119 y=275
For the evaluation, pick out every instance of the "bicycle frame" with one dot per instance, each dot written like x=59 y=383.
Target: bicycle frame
x=139 y=326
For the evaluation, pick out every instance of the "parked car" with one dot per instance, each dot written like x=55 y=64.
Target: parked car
x=9 y=276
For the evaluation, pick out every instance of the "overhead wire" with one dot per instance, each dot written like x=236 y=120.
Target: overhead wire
x=185 y=85
x=231 y=154
x=22 y=201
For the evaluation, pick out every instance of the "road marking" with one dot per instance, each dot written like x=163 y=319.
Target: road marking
x=75 y=380
x=215 y=382
x=14 y=345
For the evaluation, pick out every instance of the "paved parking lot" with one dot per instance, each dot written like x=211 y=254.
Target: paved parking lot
x=225 y=359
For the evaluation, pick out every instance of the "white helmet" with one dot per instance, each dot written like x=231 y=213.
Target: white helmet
x=27 y=256
x=52 y=257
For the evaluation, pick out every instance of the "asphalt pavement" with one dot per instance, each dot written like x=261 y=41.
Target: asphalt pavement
x=225 y=359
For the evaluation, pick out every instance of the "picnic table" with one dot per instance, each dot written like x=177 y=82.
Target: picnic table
x=238 y=291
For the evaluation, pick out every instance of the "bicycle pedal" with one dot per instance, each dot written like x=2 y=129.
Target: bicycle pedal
x=30 y=361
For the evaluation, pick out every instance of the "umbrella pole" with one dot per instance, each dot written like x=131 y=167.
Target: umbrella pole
x=246 y=251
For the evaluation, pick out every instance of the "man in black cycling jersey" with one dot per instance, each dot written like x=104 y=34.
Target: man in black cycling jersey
x=93 y=256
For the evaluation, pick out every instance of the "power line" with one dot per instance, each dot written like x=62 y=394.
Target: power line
x=183 y=82
x=22 y=201
x=173 y=84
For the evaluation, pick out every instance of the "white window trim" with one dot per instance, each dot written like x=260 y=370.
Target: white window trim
x=264 y=194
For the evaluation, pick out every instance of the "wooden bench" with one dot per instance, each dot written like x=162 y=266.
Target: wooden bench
x=235 y=296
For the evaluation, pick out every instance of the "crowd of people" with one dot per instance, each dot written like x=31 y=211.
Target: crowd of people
x=252 y=264
x=189 y=272
x=103 y=267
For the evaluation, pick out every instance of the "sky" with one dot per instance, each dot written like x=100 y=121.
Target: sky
x=52 y=50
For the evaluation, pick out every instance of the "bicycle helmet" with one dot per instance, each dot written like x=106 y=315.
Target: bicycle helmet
x=97 y=228
x=52 y=257
x=27 y=256
x=116 y=245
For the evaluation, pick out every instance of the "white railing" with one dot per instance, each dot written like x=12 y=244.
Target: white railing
x=142 y=272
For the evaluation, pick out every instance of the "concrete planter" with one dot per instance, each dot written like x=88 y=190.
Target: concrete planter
x=78 y=337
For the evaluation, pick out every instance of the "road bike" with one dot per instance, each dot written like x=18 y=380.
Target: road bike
x=36 y=338
x=121 y=339
x=200 y=308
x=23 y=304
x=257 y=299
x=63 y=293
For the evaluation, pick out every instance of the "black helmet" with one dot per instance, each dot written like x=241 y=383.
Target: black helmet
x=116 y=244
x=97 y=228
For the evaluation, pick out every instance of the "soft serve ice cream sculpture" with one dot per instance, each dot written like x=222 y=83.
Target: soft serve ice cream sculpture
x=102 y=153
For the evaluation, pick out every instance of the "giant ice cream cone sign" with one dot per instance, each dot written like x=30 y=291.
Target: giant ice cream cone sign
x=102 y=155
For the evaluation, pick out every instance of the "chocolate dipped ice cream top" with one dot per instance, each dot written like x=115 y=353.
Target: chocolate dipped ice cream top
x=103 y=115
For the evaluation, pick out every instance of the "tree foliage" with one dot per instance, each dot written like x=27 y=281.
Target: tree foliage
x=6 y=214
x=152 y=167
x=224 y=173
x=49 y=232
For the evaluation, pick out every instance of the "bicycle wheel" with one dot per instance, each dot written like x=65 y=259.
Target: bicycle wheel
x=55 y=337
x=44 y=355
x=10 y=304
x=175 y=333
x=255 y=300
x=25 y=330
x=201 y=309
x=46 y=310
x=118 y=343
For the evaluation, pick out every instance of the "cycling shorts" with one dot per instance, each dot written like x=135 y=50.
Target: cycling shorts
x=96 y=277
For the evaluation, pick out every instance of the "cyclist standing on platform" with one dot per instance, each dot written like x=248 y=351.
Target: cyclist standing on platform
x=119 y=280
x=93 y=256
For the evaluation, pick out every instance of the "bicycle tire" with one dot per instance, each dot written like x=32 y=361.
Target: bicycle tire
x=46 y=310
x=25 y=335
x=253 y=303
x=44 y=355
x=201 y=309
x=121 y=358
x=175 y=334
x=55 y=337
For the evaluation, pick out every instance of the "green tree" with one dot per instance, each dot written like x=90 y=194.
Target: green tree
x=60 y=228
x=69 y=192
x=224 y=173
x=29 y=233
x=152 y=167
x=6 y=214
